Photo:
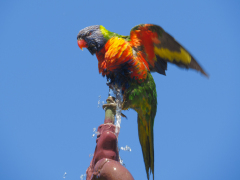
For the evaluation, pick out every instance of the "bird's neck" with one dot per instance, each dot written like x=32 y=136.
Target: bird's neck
x=108 y=34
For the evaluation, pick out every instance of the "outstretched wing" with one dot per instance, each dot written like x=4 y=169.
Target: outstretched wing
x=159 y=48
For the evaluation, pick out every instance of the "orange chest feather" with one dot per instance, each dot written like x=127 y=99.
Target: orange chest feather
x=118 y=54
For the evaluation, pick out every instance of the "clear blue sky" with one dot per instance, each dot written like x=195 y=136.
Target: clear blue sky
x=49 y=90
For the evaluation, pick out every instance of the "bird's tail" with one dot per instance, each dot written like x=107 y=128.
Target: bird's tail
x=145 y=133
x=143 y=99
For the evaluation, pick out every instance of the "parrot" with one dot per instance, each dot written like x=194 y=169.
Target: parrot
x=128 y=61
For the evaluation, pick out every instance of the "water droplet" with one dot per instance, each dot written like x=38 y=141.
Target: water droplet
x=91 y=155
x=121 y=161
x=99 y=101
x=126 y=148
x=95 y=132
x=82 y=176
x=64 y=175
x=119 y=98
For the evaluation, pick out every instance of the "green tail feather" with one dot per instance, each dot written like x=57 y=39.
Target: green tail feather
x=143 y=99
x=146 y=141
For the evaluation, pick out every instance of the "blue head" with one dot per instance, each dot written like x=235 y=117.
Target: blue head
x=92 y=38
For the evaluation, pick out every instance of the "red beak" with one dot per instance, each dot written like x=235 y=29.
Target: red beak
x=82 y=44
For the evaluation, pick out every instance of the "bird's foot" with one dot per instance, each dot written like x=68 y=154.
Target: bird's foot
x=112 y=103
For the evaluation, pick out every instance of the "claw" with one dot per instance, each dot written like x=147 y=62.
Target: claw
x=123 y=115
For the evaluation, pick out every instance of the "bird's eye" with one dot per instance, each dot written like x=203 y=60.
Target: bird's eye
x=89 y=33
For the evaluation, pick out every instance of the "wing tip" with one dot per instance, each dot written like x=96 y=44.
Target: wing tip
x=194 y=65
x=205 y=74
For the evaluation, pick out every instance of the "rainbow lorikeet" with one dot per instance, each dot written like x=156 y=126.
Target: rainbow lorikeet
x=127 y=62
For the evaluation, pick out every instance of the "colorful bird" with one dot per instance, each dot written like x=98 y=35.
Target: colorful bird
x=127 y=62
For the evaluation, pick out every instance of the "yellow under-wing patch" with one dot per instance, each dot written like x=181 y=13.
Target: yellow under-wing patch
x=183 y=56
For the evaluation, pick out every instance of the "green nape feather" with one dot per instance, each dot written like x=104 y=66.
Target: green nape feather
x=143 y=99
x=108 y=34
